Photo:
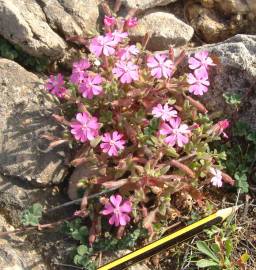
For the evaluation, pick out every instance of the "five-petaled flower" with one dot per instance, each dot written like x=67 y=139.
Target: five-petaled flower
x=176 y=133
x=127 y=52
x=85 y=127
x=79 y=71
x=160 y=66
x=216 y=180
x=199 y=82
x=91 y=86
x=112 y=144
x=119 y=210
x=117 y=36
x=164 y=112
x=55 y=85
x=200 y=59
x=109 y=21
x=103 y=45
x=126 y=71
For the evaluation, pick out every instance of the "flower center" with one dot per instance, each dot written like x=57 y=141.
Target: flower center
x=175 y=131
x=112 y=142
x=84 y=126
x=117 y=211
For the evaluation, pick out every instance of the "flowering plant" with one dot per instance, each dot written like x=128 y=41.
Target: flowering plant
x=135 y=115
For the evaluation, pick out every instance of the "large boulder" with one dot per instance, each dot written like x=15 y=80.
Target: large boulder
x=41 y=27
x=166 y=29
x=25 y=115
x=145 y=4
x=235 y=75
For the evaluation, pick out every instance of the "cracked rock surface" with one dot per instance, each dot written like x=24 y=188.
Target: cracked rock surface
x=40 y=27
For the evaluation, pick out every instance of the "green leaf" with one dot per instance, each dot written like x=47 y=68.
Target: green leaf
x=83 y=250
x=245 y=257
x=165 y=169
x=203 y=248
x=215 y=248
x=228 y=247
x=206 y=263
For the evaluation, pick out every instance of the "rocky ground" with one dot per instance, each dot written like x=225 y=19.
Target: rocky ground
x=30 y=172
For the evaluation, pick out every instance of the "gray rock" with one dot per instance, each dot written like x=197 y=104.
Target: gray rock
x=59 y=20
x=24 y=23
x=237 y=74
x=73 y=17
x=84 y=13
x=40 y=27
x=25 y=115
x=145 y=4
x=166 y=29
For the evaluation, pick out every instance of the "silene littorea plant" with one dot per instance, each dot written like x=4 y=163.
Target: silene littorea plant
x=136 y=116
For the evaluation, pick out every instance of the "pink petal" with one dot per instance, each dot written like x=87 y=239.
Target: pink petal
x=191 y=79
x=171 y=140
x=106 y=137
x=113 y=220
x=194 y=63
x=165 y=129
x=124 y=219
x=126 y=207
x=116 y=200
x=126 y=78
x=112 y=151
x=202 y=55
x=108 y=209
x=116 y=136
x=156 y=72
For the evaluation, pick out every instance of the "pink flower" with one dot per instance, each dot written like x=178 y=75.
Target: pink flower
x=126 y=71
x=127 y=52
x=200 y=59
x=112 y=144
x=160 y=66
x=117 y=36
x=91 y=86
x=103 y=45
x=178 y=133
x=109 y=21
x=85 y=127
x=131 y=22
x=165 y=112
x=118 y=210
x=199 y=82
x=217 y=177
x=79 y=71
x=55 y=85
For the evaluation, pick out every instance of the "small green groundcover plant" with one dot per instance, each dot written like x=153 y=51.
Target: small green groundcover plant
x=135 y=115
x=217 y=251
